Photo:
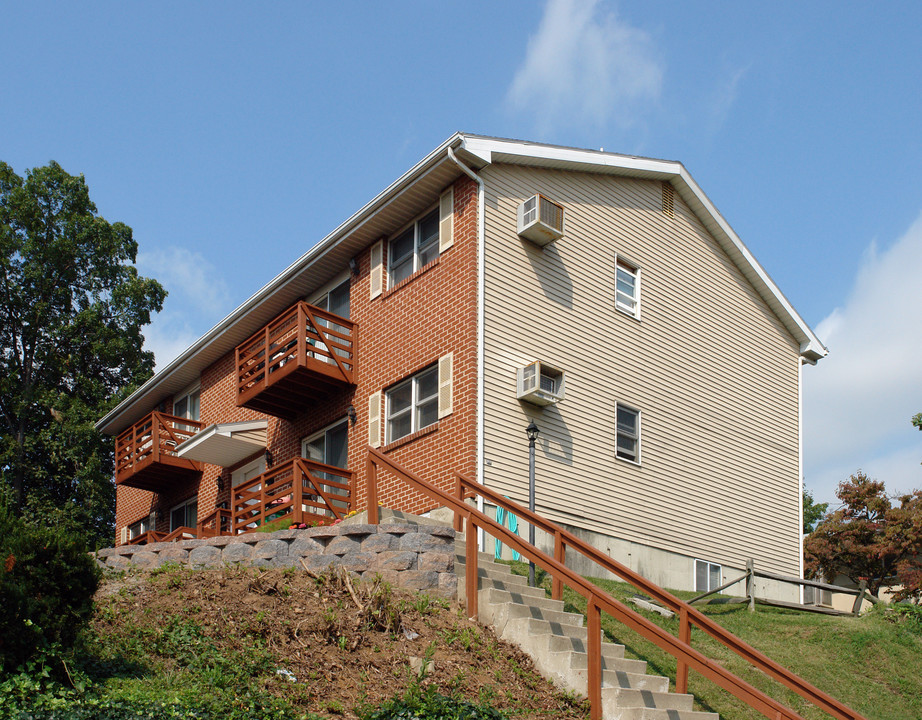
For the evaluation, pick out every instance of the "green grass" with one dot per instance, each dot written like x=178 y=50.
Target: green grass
x=873 y=663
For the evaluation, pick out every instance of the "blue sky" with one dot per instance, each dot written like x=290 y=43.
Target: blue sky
x=233 y=136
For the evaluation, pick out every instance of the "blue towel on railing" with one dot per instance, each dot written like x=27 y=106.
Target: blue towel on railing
x=501 y=515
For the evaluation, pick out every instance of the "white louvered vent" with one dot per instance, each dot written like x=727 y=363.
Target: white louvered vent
x=540 y=384
x=540 y=220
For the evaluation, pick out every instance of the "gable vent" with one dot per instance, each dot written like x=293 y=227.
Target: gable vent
x=668 y=199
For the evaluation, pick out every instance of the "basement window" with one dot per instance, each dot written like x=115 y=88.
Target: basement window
x=707 y=576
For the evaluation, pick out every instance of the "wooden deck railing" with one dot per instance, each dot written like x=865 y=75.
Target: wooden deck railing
x=301 y=490
x=153 y=439
x=597 y=600
x=213 y=525
x=303 y=336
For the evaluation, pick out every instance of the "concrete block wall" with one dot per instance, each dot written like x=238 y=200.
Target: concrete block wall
x=407 y=556
x=402 y=331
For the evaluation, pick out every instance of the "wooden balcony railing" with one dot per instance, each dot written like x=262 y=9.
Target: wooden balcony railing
x=304 y=355
x=688 y=658
x=303 y=491
x=217 y=523
x=145 y=453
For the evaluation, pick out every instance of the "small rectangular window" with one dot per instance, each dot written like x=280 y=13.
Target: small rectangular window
x=413 y=404
x=707 y=576
x=414 y=248
x=139 y=528
x=628 y=433
x=627 y=289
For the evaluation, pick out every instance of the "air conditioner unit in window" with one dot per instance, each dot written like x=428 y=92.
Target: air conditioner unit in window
x=540 y=220
x=540 y=384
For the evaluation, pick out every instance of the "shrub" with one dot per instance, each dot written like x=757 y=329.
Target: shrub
x=429 y=704
x=47 y=582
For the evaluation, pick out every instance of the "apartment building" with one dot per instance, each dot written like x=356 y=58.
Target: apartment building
x=495 y=283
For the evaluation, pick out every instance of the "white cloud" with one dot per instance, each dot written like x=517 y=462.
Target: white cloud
x=198 y=297
x=859 y=401
x=724 y=97
x=585 y=66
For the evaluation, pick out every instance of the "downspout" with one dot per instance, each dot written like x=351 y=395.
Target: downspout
x=480 y=323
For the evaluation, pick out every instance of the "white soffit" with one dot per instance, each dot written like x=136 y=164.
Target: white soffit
x=225 y=444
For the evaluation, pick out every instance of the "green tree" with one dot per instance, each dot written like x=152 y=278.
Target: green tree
x=813 y=511
x=870 y=537
x=72 y=306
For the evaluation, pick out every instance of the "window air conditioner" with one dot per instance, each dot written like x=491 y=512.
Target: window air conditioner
x=540 y=384
x=540 y=220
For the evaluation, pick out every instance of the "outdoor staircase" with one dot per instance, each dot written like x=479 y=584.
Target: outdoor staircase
x=557 y=641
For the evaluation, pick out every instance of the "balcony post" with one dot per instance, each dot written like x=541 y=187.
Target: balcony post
x=371 y=490
x=266 y=358
x=155 y=436
x=301 y=319
x=297 y=492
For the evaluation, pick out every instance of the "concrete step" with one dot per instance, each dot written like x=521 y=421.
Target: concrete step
x=561 y=643
x=646 y=713
x=502 y=613
x=579 y=661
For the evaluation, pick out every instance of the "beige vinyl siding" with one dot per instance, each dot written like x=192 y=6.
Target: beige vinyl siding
x=712 y=370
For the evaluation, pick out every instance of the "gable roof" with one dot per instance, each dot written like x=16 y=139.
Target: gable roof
x=409 y=195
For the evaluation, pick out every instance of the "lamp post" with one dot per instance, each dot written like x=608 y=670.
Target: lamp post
x=532 y=432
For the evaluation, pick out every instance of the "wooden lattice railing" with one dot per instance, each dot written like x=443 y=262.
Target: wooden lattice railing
x=470 y=519
x=153 y=439
x=303 y=491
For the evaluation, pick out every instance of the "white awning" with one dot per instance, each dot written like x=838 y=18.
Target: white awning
x=225 y=444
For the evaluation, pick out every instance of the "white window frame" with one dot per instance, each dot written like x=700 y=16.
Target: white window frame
x=313 y=436
x=709 y=566
x=413 y=227
x=625 y=303
x=415 y=403
x=636 y=436
x=196 y=390
x=136 y=529
x=184 y=503
x=321 y=298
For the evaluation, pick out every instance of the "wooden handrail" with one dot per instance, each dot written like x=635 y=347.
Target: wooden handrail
x=597 y=600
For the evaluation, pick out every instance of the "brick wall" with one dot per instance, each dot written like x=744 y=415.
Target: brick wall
x=405 y=329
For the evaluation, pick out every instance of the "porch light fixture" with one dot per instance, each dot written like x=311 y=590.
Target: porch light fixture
x=532 y=432
x=353 y=417
x=353 y=266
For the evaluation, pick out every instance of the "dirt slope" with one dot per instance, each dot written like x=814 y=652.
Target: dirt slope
x=345 y=644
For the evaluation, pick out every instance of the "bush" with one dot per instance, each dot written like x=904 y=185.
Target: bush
x=47 y=582
x=429 y=704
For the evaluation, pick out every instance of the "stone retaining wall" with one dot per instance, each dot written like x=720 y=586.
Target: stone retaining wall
x=408 y=556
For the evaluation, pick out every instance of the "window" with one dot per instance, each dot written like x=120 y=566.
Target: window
x=627 y=289
x=335 y=301
x=139 y=528
x=184 y=515
x=628 y=432
x=413 y=404
x=817 y=596
x=414 y=248
x=707 y=576
x=186 y=404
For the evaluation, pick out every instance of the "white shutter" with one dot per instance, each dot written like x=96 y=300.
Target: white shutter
x=445 y=385
x=374 y=420
x=124 y=536
x=377 y=269
x=446 y=220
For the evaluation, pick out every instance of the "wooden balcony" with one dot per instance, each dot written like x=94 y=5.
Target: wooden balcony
x=303 y=356
x=215 y=524
x=145 y=454
x=300 y=491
